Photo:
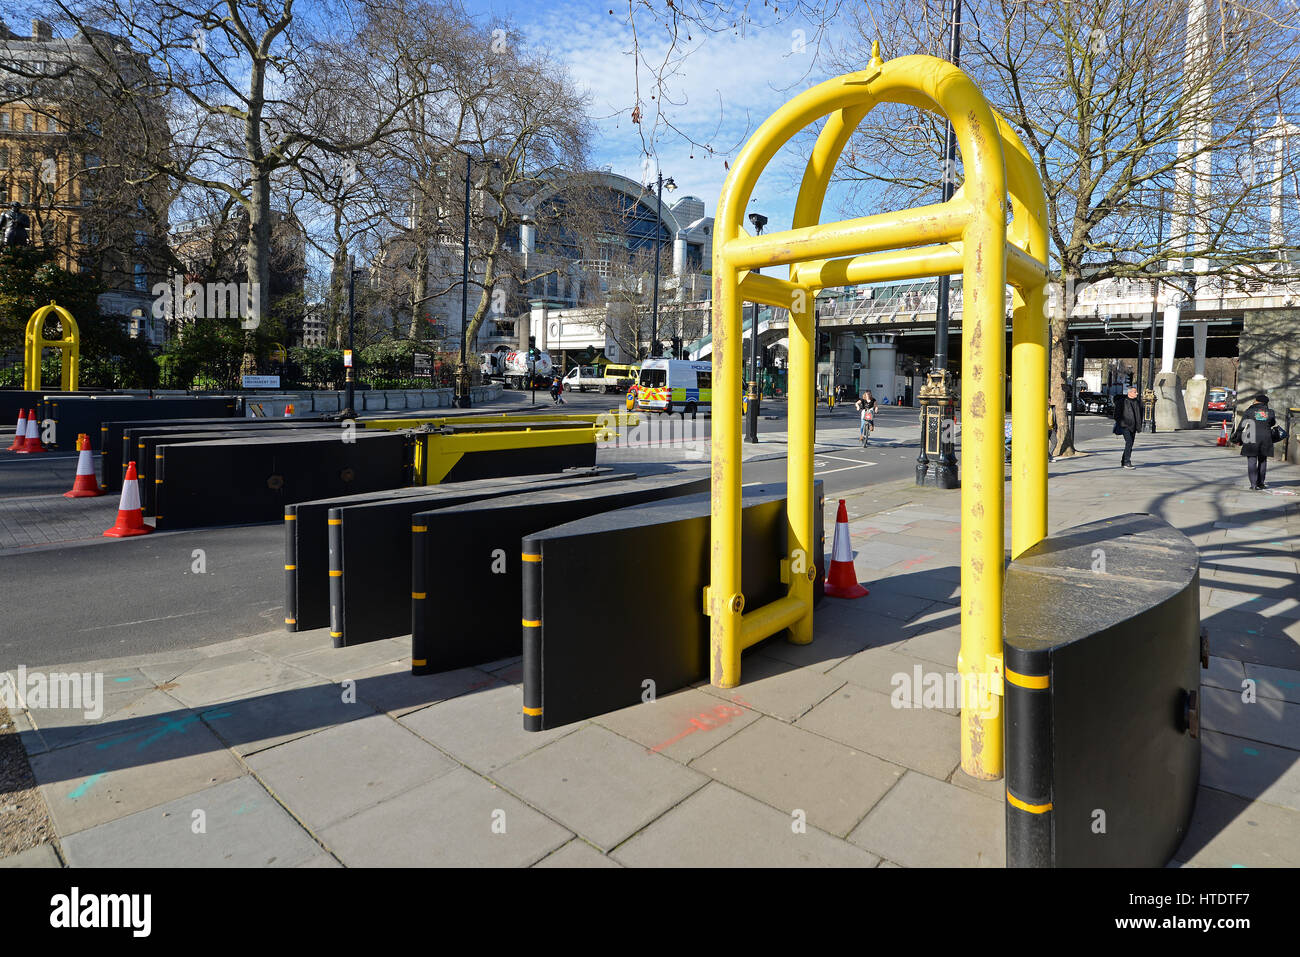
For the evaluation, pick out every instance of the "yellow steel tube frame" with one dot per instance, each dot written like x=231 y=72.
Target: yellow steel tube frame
x=970 y=233
x=69 y=345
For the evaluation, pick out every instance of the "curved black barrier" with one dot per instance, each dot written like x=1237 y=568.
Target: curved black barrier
x=643 y=570
x=1102 y=656
x=466 y=575
x=247 y=480
x=369 y=548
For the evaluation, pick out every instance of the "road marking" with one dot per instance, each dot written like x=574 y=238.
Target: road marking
x=841 y=458
x=846 y=468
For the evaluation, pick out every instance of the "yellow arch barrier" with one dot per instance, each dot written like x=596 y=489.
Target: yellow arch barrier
x=967 y=234
x=69 y=346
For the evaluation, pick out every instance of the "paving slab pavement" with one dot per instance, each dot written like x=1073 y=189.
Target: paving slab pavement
x=290 y=752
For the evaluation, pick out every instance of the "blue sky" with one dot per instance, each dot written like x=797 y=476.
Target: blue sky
x=717 y=95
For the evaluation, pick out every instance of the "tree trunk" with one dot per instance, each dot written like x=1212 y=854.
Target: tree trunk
x=1058 y=372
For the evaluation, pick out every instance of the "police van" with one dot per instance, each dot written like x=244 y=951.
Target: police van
x=675 y=385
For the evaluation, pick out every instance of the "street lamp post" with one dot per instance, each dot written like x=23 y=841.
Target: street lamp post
x=937 y=462
x=659 y=219
x=751 y=417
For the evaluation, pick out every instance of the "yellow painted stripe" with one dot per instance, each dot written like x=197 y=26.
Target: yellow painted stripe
x=1033 y=682
x=157 y=456
x=290 y=518
x=532 y=558
x=334 y=521
x=291 y=621
x=419 y=528
x=419 y=662
x=336 y=634
x=529 y=623
x=290 y=568
x=419 y=595
x=141 y=445
x=532 y=711
x=157 y=481
x=335 y=574
x=1031 y=808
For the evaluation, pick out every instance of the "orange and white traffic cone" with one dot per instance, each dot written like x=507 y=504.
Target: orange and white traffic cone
x=20 y=432
x=33 y=440
x=288 y=411
x=130 y=517
x=1223 y=436
x=85 y=485
x=842 y=579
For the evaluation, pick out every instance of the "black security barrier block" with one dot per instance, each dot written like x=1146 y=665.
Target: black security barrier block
x=76 y=414
x=370 y=549
x=1102 y=662
x=307 y=540
x=13 y=401
x=616 y=600
x=146 y=455
x=493 y=463
x=466 y=571
x=131 y=433
x=111 y=444
x=247 y=480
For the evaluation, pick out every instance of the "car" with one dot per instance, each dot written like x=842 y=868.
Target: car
x=1096 y=403
x=1221 y=400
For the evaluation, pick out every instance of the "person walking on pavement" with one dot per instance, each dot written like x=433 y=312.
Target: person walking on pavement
x=1128 y=419
x=1255 y=435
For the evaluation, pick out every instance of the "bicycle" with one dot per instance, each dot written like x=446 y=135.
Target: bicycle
x=866 y=428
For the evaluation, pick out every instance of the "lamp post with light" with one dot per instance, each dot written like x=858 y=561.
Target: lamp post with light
x=660 y=182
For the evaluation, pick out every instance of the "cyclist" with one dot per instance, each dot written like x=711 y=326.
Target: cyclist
x=866 y=407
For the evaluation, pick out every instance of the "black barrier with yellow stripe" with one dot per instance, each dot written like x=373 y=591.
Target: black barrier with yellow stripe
x=119 y=441
x=252 y=479
x=370 y=549
x=73 y=415
x=140 y=445
x=642 y=570
x=1102 y=696
x=466 y=575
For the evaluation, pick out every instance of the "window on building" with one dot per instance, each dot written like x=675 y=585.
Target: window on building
x=24 y=193
x=92 y=161
x=140 y=237
x=29 y=122
x=141 y=278
x=4 y=157
x=5 y=121
x=51 y=125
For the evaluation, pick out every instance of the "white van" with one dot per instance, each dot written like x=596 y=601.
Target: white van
x=675 y=385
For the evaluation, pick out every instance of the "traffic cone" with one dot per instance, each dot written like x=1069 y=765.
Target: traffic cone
x=130 y=517
x=85 y=485
x=20 y=432
x=288 y=411
x=1223 y=436
x=33 y=440
x=842 y=579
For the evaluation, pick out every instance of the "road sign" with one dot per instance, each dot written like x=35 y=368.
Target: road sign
x=261 y=382
x=347 y=358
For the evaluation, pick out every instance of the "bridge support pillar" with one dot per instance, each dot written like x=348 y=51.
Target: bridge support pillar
x=882 y=360
x=1195 y=395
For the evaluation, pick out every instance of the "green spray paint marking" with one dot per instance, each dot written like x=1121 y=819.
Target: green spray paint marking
x=85 y=785
x=1251 y=751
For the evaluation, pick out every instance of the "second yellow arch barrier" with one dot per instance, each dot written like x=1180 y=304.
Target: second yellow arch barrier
x=69 y=345
x=969 y=234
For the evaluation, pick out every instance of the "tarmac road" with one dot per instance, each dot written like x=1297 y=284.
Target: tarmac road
x=108 y=598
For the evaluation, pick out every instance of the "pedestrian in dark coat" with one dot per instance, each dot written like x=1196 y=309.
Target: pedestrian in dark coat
x=1128 y=419
x=1254 y=433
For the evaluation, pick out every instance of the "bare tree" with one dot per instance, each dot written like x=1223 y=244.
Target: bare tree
x=1151 y=125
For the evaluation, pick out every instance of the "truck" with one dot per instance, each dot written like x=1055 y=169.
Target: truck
x=582 y=378
x=515 y=370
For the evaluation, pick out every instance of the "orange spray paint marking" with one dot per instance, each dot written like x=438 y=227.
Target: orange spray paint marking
x=704 y=721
